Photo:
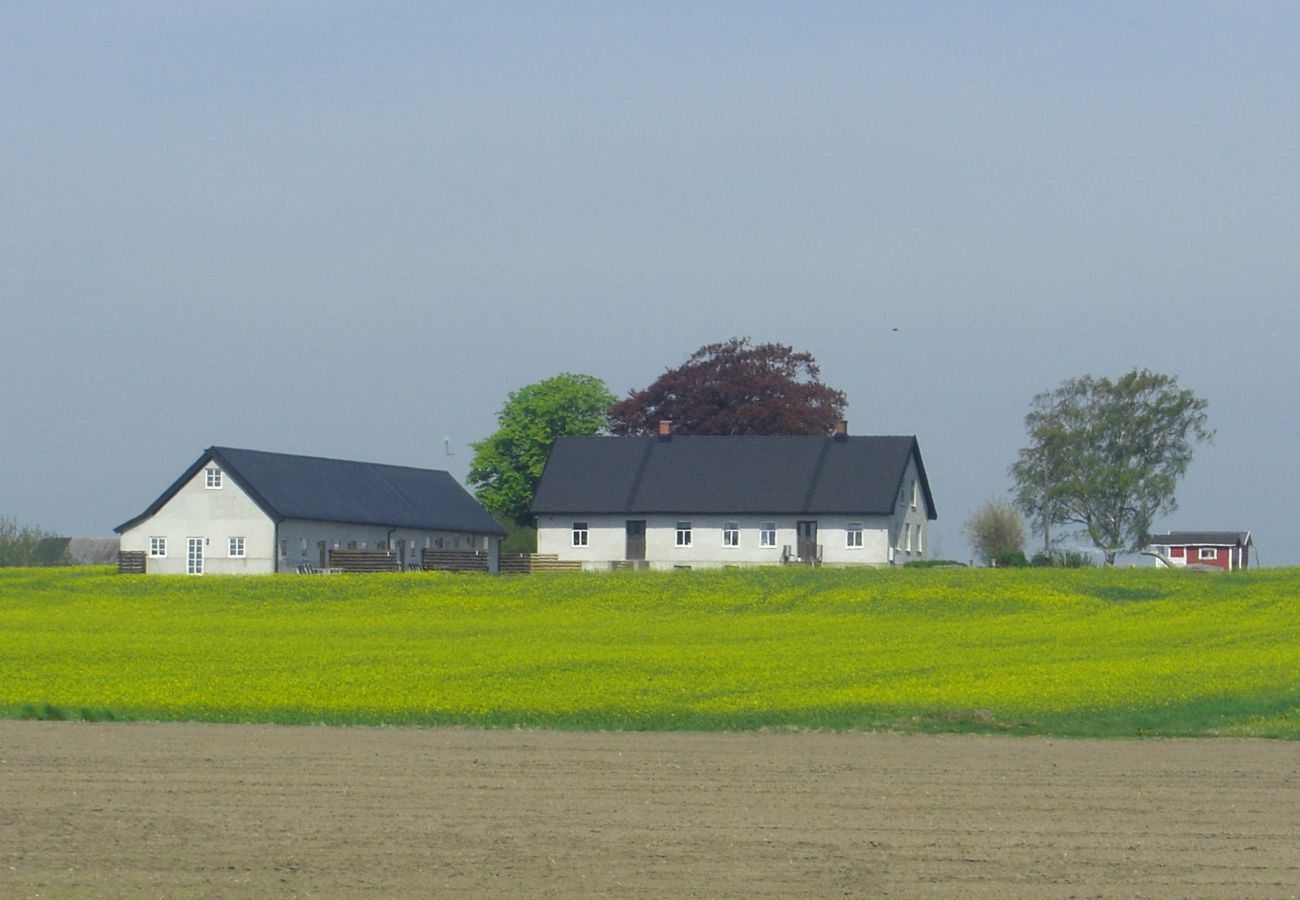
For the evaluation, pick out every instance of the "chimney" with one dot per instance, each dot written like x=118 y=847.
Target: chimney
x=842 y=429
x=665 y=430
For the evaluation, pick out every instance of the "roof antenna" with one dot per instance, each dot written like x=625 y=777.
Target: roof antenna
x=446 y=445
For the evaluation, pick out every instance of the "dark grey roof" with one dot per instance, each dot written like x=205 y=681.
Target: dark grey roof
x=336 y=490
x=742 y=474
x=1201 y=538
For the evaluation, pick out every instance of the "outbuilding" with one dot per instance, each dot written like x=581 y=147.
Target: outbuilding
x=1229 y=550
x=252 y=512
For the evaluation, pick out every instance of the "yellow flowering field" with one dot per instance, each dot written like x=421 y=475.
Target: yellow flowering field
x=1086 y=652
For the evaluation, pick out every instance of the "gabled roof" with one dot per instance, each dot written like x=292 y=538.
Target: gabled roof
x=1201 y=539
x=737 y=474
x=336 y=490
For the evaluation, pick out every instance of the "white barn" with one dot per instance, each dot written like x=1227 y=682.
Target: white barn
x=671 y=501
x=241 y=512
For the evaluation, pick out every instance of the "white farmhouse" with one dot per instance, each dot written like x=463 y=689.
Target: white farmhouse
x=237 y=512
x=670 y=501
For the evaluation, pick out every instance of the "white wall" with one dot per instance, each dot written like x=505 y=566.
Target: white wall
x=607 y=540
x=215 y=515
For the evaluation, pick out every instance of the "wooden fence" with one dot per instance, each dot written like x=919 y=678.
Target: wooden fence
x=532 y=563
x=454 y=560
x=130 y=562
x=364 y=561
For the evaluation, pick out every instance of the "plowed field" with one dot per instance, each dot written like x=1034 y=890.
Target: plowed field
x=250 y=810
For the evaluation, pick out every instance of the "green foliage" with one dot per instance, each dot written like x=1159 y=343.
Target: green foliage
x=1012 y=559
x=932 y=563
x=1084 y=652
x=507 y=465
x=520 y=539
x=995 y=531
x=1105 y=456
x=20 y=545
x=1062 y=559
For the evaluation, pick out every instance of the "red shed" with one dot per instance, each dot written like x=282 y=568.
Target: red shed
x=1228 y=550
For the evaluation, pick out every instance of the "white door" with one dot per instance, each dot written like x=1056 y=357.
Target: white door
x=194 y=557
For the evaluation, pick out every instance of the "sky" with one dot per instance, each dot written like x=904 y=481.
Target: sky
x=351 y=230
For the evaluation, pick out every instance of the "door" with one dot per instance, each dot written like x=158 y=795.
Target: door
x=636 y=539
x=324 y=554
x=807 y=545
x=194 y=556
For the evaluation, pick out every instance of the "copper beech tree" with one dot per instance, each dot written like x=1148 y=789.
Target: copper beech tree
x=735 y=387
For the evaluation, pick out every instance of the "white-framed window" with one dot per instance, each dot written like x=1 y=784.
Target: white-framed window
x=731 y=534
x=914 y=493
x=579 y=534
x=194 y=556
x=157 y=546
x=853 y=535
x=1204 y=553
x=683 y=534
x=920 y=532
x=212 y=476
x=237 y=547
x=767 y=534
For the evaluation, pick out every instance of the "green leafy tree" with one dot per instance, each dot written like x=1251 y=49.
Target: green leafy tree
x=1106 y=456
x=735 y=388
x=996 y=531
x=19 y=544
x=507 y=466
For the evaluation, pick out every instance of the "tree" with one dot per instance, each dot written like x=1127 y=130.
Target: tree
x=19 y=543
x=995 y=531
x=507 y=466
x=1106 y=456
x=735 y=388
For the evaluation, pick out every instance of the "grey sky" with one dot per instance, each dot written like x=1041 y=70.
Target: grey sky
x=351 y=229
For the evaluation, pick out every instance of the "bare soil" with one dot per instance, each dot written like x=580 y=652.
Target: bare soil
x=235 y=810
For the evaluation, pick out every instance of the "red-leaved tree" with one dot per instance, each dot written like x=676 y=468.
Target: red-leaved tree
x=735 y=388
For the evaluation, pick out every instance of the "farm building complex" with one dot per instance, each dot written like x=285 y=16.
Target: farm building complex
x=668 y=501
x=249 y=512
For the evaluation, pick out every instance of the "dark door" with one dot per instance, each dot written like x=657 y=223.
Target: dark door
x=807 y=546
x=324 y=554
x=401 y=553
x=636 y=539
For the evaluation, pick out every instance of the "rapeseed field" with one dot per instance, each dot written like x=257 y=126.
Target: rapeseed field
x=1070 y=652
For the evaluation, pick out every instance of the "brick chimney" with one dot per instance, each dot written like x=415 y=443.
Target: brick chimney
x=842 y=429
x=665 y=430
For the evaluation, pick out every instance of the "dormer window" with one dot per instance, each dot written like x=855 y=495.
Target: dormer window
x=213 y=474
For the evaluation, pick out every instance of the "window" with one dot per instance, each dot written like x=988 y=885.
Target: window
x=579 y=534
x=767 y=535
x=853 y=535
x=731 y=534
x=683 y=534
x=919 y=533
x=157 y=546
x=213 y=476
x=194 y=556
x=237 y=547
x=1207 y=553
x=914 y=492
